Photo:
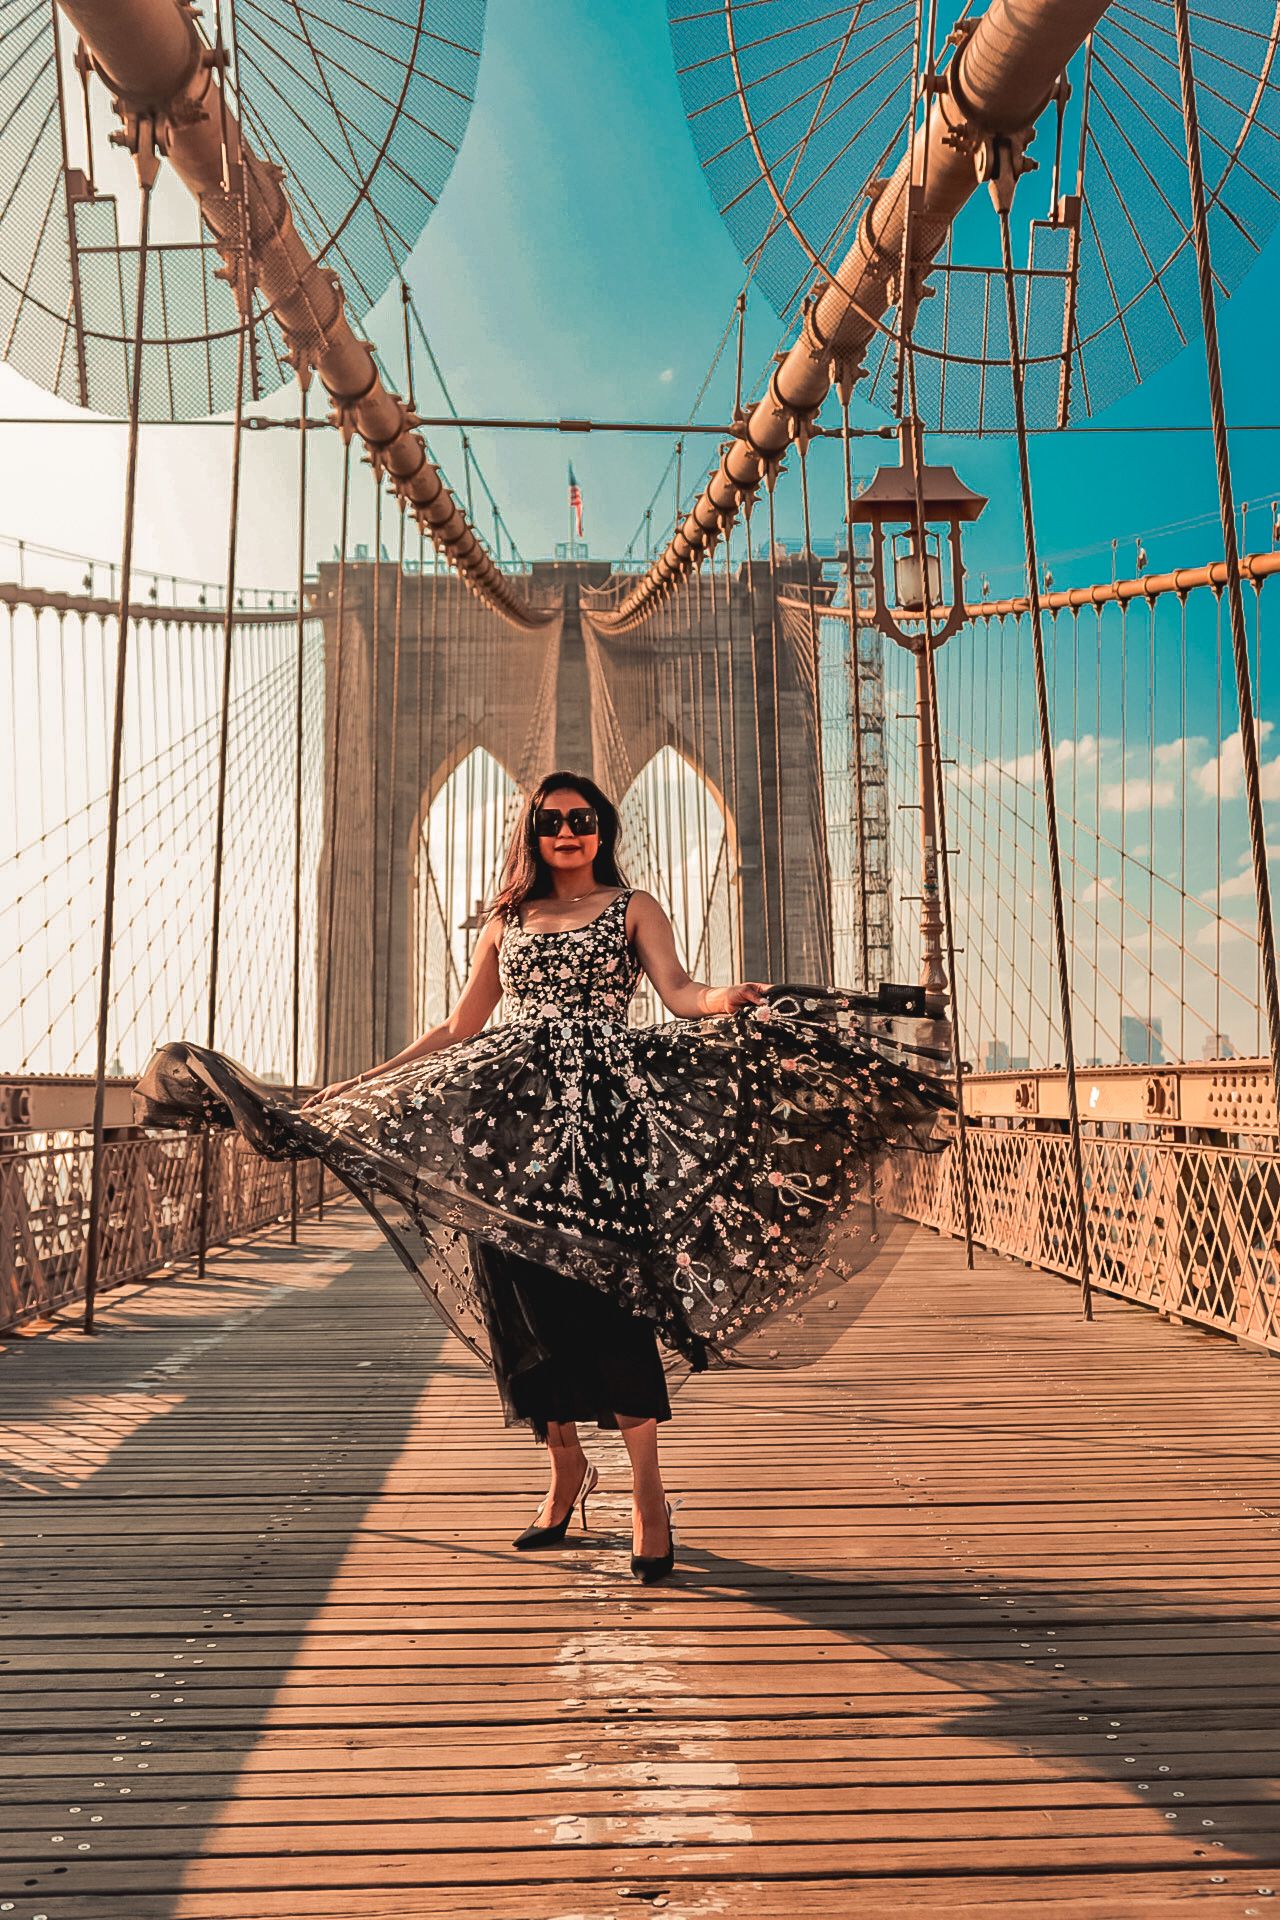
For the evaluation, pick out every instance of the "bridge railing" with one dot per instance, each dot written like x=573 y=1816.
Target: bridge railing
x=151 y=1211
x=1189 y=1228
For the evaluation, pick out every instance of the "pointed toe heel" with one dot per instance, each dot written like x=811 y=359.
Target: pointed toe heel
x=649 y=1568
x=537 y=1536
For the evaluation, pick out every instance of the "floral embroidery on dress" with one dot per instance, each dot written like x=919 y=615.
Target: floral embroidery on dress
x=709 y=1174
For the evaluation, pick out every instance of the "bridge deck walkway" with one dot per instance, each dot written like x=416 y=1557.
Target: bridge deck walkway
x=978 y=1615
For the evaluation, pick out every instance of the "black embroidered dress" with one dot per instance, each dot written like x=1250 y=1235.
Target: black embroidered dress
x=707 y=1175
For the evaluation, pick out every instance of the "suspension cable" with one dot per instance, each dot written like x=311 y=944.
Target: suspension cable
x=417 y=1018
x=941 y=851
x=1002 y=194
x=1231 y=551
x=228 y=637
x=731 y=691
x=755 y=708
x=375 y=741
x=147 y=167
x=304 y=387
x=721 y=719
x=784 y=955
x=326 y=1052
x=391 y=795
x=244 y=305
x=815 y=651
x=859 y=774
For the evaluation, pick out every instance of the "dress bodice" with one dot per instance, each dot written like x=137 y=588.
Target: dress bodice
x=584 y=973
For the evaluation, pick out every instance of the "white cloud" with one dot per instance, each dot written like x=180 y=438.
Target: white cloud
x=667 y=375
x=1230 y=934
x=1228 y=767
x=1134 y=796
x=1083 y=751
x=1168 y=753
x=1241 y=885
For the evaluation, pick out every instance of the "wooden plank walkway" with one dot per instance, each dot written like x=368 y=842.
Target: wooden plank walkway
x=977 y=1616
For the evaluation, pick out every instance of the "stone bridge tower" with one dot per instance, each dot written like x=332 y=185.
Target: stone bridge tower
x=723 y=676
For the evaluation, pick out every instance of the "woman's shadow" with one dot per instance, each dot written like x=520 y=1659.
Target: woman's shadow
x=1086 y=1683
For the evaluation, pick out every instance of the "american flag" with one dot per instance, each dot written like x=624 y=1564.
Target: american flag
x=575 y=501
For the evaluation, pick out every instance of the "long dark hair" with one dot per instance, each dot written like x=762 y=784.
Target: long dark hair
x=526 y=875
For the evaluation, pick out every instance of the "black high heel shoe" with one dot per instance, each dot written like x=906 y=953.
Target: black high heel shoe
x=649 y=1568
x=537 y=1536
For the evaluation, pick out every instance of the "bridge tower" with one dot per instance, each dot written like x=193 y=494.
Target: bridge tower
x=700 y=679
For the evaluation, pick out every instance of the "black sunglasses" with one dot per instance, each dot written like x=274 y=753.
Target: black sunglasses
x=547 y=822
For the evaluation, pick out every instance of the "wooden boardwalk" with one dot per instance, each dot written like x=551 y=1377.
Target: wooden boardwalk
x=977 y=1616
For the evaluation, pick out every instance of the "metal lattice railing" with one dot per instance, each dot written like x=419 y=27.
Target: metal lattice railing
x=151 y=1211
x=1193 y=1231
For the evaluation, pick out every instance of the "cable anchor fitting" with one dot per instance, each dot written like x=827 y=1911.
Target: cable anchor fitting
x=800 y=422
x=1000 y=162
x=137 y=135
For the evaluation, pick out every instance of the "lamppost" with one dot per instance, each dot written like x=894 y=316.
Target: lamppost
x=915 y=512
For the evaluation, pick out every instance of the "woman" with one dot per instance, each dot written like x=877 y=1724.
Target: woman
x=566 y=1187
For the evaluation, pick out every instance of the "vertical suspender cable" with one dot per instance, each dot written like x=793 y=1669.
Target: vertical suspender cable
x=1231 y=551
x=731 y=701
x=335 y=707
x=755 y=730
x=682 y=809
x=698 y=677
x=392 y=847
x=1002 y=193
x=245 y=295
x=860 y=802
x=784 y=956
x=815 y=654
x=725 y=715
x=418 y=1018
x=375 y=739
x=941 y=851
x=304 y=386
x=717 y=696
x=431 y=753
x=147 y=165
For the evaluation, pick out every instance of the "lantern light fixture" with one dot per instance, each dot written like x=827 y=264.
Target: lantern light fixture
x=890 y=503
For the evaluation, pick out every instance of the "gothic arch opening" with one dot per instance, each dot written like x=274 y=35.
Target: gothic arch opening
x=676 y=843
x=461 y=839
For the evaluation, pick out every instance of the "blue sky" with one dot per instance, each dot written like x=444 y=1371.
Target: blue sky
x=577 y=266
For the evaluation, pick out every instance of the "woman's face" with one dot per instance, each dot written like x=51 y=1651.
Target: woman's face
x=566 y=851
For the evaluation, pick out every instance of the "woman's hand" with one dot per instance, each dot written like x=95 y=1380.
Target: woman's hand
x=331 y=1093
x=748 y=993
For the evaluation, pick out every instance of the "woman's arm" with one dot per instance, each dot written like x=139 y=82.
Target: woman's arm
x=476 y=1002
x=655 y=943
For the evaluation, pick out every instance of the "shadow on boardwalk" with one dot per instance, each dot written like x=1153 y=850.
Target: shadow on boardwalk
x=259 y=1604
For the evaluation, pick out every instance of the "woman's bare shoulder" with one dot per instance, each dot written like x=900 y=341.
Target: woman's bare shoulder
x=643 y=911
